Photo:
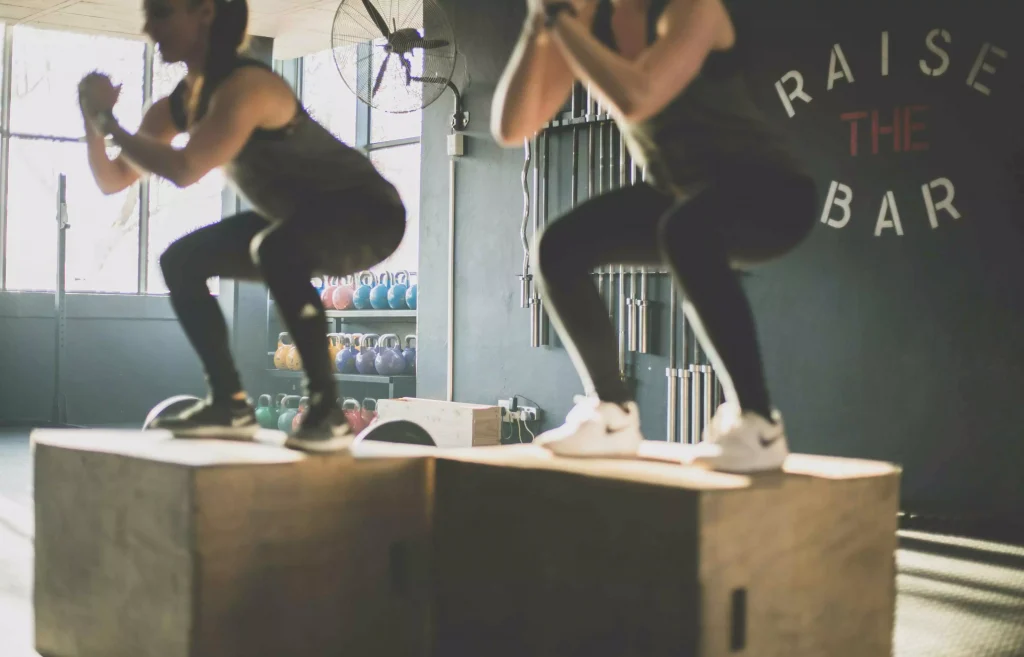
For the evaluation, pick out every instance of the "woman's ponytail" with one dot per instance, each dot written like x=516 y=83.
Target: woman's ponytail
x=227 y=37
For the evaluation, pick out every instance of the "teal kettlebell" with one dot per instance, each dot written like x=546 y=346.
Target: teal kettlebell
x=379 y=294
x=265 y=412
x=290 y=405
x=361 y=297
x=396 y=295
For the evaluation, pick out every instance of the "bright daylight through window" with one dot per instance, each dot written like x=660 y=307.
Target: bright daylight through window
x=44 y=138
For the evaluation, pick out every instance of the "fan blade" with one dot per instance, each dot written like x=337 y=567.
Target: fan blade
x=430 y=44
x=407 y=65
x=380 y=75
x=382 y=24
x=430 y=79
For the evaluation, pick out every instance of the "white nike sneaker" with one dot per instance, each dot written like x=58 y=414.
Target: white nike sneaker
x=743 y=442
x=596 y=429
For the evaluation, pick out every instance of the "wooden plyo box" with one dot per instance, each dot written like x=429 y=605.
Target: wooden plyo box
x=152 y=547
x=538 y=555
x=452 y=424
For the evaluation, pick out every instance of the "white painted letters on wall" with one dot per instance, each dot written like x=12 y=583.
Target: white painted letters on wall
x=889 y=209
x=943 y=55
x=981 y=65
x=885 y=54
x=788 y=97
x=945 y=204
x=833 y=74
x=833 y=201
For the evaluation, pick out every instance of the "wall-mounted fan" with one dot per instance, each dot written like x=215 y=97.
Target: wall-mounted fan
x=396 y=55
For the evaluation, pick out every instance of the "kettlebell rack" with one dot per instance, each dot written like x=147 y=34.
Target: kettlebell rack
x=362 y=321
x=602 y=165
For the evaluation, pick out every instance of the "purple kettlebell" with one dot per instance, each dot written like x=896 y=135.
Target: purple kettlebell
x=345 y=361
x=367 y=354
x=409 y=354
x=389 y=359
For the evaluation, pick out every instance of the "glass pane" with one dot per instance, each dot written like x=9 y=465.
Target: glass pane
x=386 y=127
x=166 y=76
x=326 y=97
x=175 y=212
x=401 y=165
x=103 y=241
x=47 y=67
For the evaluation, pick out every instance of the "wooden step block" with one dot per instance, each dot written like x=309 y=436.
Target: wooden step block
x=151 y=547
x=538 y=555
x=452 y=424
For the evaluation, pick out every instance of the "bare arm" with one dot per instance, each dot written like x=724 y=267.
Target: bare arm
x=243 y=102
x=112 y=176
x=636 y=90
x=536 y=82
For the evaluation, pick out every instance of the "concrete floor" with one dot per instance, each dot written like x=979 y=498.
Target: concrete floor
x=957 y=597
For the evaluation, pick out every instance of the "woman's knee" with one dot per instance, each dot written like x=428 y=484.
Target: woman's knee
x=558 y=251
x=178 y=262
x=676 y=230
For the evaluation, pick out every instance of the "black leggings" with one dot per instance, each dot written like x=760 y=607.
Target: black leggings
x=741 y=220
x=336 y=240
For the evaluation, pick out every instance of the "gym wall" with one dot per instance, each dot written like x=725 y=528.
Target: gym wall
x=902 y=345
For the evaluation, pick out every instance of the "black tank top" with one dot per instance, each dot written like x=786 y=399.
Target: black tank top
x=296 y=167
x=709 y=130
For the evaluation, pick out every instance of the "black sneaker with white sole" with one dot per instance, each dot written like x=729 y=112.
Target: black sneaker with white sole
x=323 y=429
x=234 y=420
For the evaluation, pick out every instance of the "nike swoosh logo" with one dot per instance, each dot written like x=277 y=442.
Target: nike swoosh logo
x=240 y=422
x=767 y=442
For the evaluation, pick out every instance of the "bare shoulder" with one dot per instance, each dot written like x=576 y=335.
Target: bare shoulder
x=261 y=94
x=707 y=14
x=249 y=81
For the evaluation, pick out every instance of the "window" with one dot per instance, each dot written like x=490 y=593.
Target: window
x=326 y=97
x=401 y=166
x=175 y=212
x=102 y=244
x=46 y=68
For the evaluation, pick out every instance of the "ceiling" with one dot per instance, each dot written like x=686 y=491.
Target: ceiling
x=297 y=26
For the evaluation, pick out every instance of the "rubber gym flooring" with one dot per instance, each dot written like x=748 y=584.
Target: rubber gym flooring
x=957 y=597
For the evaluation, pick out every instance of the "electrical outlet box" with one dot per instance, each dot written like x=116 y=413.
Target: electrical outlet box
x=524 y=413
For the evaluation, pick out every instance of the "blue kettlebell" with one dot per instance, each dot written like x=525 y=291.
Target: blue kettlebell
x=379 y=294
x=365 y=361
x=389 y=361
x=361 y=297
x=410 y=297
x=409 y=354
x=396 y=295
x=345 y=361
